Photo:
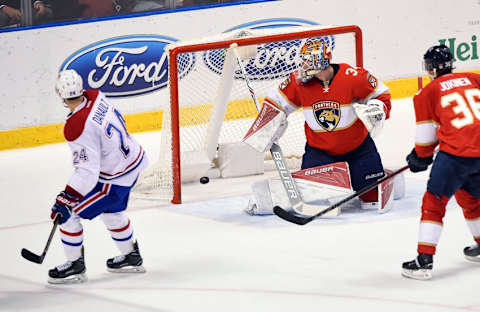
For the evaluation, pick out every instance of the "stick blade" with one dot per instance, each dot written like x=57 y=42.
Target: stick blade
x=30 y=256
x=285 y=215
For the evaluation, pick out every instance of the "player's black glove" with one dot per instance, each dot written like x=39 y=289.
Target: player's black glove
x=418 y=164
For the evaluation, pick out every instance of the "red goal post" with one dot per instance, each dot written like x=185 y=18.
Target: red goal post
x=167 y=174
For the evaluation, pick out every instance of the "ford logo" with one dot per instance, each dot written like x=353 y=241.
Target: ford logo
x=125 y=66
x=273 y=60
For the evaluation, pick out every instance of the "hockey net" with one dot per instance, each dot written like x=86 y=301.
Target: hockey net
x=210 y=107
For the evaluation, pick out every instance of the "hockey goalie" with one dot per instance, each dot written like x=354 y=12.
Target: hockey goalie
x=343 y=107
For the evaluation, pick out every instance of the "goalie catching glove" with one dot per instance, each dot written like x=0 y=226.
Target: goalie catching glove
x=372 y=114
x=267 y=128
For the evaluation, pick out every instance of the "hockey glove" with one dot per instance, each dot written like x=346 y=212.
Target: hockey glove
x=418 y=164
x=267 y=128
x=372 y=115
x=63 y=206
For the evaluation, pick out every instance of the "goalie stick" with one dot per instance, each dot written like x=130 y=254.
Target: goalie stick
x=285 y=215
x=288 y=183
x=30 y=256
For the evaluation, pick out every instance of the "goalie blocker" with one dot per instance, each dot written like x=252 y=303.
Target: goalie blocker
x=267 y=128
x=321 y=186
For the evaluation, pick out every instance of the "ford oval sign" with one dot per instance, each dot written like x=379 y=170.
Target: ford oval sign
x=273 y=60
x=126 y=66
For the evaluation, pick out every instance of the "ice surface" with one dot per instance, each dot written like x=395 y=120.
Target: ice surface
x=207 y=255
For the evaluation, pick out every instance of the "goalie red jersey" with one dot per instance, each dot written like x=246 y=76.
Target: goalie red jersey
x=448 y=113
x=331 y=123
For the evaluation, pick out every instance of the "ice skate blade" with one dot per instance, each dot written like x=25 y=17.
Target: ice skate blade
x=473 y=259
x=73 y=279
x=421 y=274
x=128 y=269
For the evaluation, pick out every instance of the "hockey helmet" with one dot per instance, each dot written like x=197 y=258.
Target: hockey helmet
x=69 y=84
x=438 y=60
x=315 y=56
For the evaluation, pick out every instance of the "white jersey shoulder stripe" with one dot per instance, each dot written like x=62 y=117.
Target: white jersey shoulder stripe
x=426 y=133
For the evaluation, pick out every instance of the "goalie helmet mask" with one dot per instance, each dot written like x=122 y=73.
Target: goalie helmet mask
x=438 y=61
x=315 y=57
x=69 y=84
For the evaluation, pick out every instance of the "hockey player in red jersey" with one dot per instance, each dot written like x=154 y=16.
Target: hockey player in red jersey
x=107 y=162
x=448 y=114
x=343 y=107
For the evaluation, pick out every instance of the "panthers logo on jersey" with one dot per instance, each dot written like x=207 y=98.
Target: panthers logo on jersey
x=372 y=80
x=327 y=114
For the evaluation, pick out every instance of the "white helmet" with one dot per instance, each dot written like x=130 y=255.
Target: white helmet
x=69 y=84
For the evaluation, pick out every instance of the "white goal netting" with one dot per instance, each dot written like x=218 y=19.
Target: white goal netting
x=210 y=105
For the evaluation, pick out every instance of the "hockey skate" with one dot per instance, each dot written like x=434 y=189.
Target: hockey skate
x=71 y=272
x=130 y=263
x=420 y=268
x=472 y=253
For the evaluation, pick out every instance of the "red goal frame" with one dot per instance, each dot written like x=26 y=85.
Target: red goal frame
x=173 y=79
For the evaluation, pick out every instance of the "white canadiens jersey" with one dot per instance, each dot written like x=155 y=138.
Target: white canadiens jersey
x=102 y=149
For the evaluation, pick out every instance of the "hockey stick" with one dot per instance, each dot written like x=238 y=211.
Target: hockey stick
x=30 y=256
x=285 y=215
x=289 y=184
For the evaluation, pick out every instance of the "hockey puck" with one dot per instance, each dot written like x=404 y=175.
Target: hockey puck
x=204 y=180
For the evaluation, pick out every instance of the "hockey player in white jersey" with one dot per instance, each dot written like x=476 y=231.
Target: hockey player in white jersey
x=107 y=161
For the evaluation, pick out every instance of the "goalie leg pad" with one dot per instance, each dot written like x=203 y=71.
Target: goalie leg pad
x=399 y=186
x=266 y=195
x=261 y=203
x=320 y=187
x=385 y=195
x=389 y=190
x=385 y=198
